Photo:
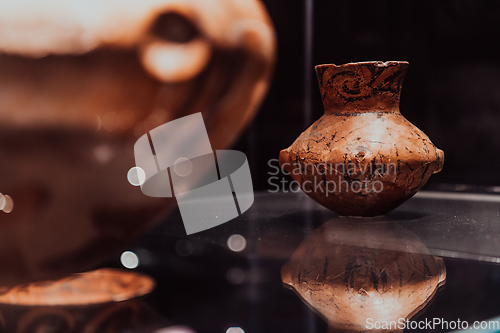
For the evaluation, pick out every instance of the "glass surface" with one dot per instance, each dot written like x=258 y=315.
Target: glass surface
x=216 y=279
x=456 y=225
x=257 y=272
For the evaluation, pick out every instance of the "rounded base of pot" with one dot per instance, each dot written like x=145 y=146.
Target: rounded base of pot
x=362 y=207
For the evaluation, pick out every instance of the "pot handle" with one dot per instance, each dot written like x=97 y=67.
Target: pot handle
x=439 y=160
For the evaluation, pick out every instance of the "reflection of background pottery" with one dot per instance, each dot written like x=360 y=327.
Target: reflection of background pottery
x=80 y=83
x=365 y=156
x=99 y=286
x=350 y=271
x=98 y=301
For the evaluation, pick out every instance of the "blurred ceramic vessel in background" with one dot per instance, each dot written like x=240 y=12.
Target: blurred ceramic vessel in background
x=362 y=157
x=81 y=81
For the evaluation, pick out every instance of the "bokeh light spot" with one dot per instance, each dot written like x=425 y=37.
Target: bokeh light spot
x=236 y=243
x=9 y=204
x=136 y=176
x=183 y=167
x=235 y=330
x=129 y=260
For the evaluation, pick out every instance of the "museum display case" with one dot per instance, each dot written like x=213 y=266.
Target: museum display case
x=145 y=186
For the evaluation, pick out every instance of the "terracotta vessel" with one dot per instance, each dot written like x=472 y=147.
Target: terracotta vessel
x=80 y=83
x=349 y=271
x=362 y=157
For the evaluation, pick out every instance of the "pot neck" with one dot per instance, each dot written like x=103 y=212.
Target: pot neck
x=361 y=87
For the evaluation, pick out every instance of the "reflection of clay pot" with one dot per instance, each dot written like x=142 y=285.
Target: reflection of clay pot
x=100 y=301
x=80 y=83
x=350 y=271
x=365 y=156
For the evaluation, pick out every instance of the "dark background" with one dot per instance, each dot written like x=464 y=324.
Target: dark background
x=451 y=90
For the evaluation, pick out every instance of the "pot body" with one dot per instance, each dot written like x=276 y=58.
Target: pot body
x=362 y=157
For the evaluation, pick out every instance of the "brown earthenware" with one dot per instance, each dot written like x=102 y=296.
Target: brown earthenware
x=80 y=84
x=350 y=272
x=362 y=157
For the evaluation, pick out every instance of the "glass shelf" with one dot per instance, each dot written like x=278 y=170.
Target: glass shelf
x=207 y=282
x=456 y=225
x=247 y=287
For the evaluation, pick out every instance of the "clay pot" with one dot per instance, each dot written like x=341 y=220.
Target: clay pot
x=80 y=84
x=350 y=271
x=362 y=157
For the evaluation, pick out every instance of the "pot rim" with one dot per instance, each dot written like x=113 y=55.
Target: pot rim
x=375 y=63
